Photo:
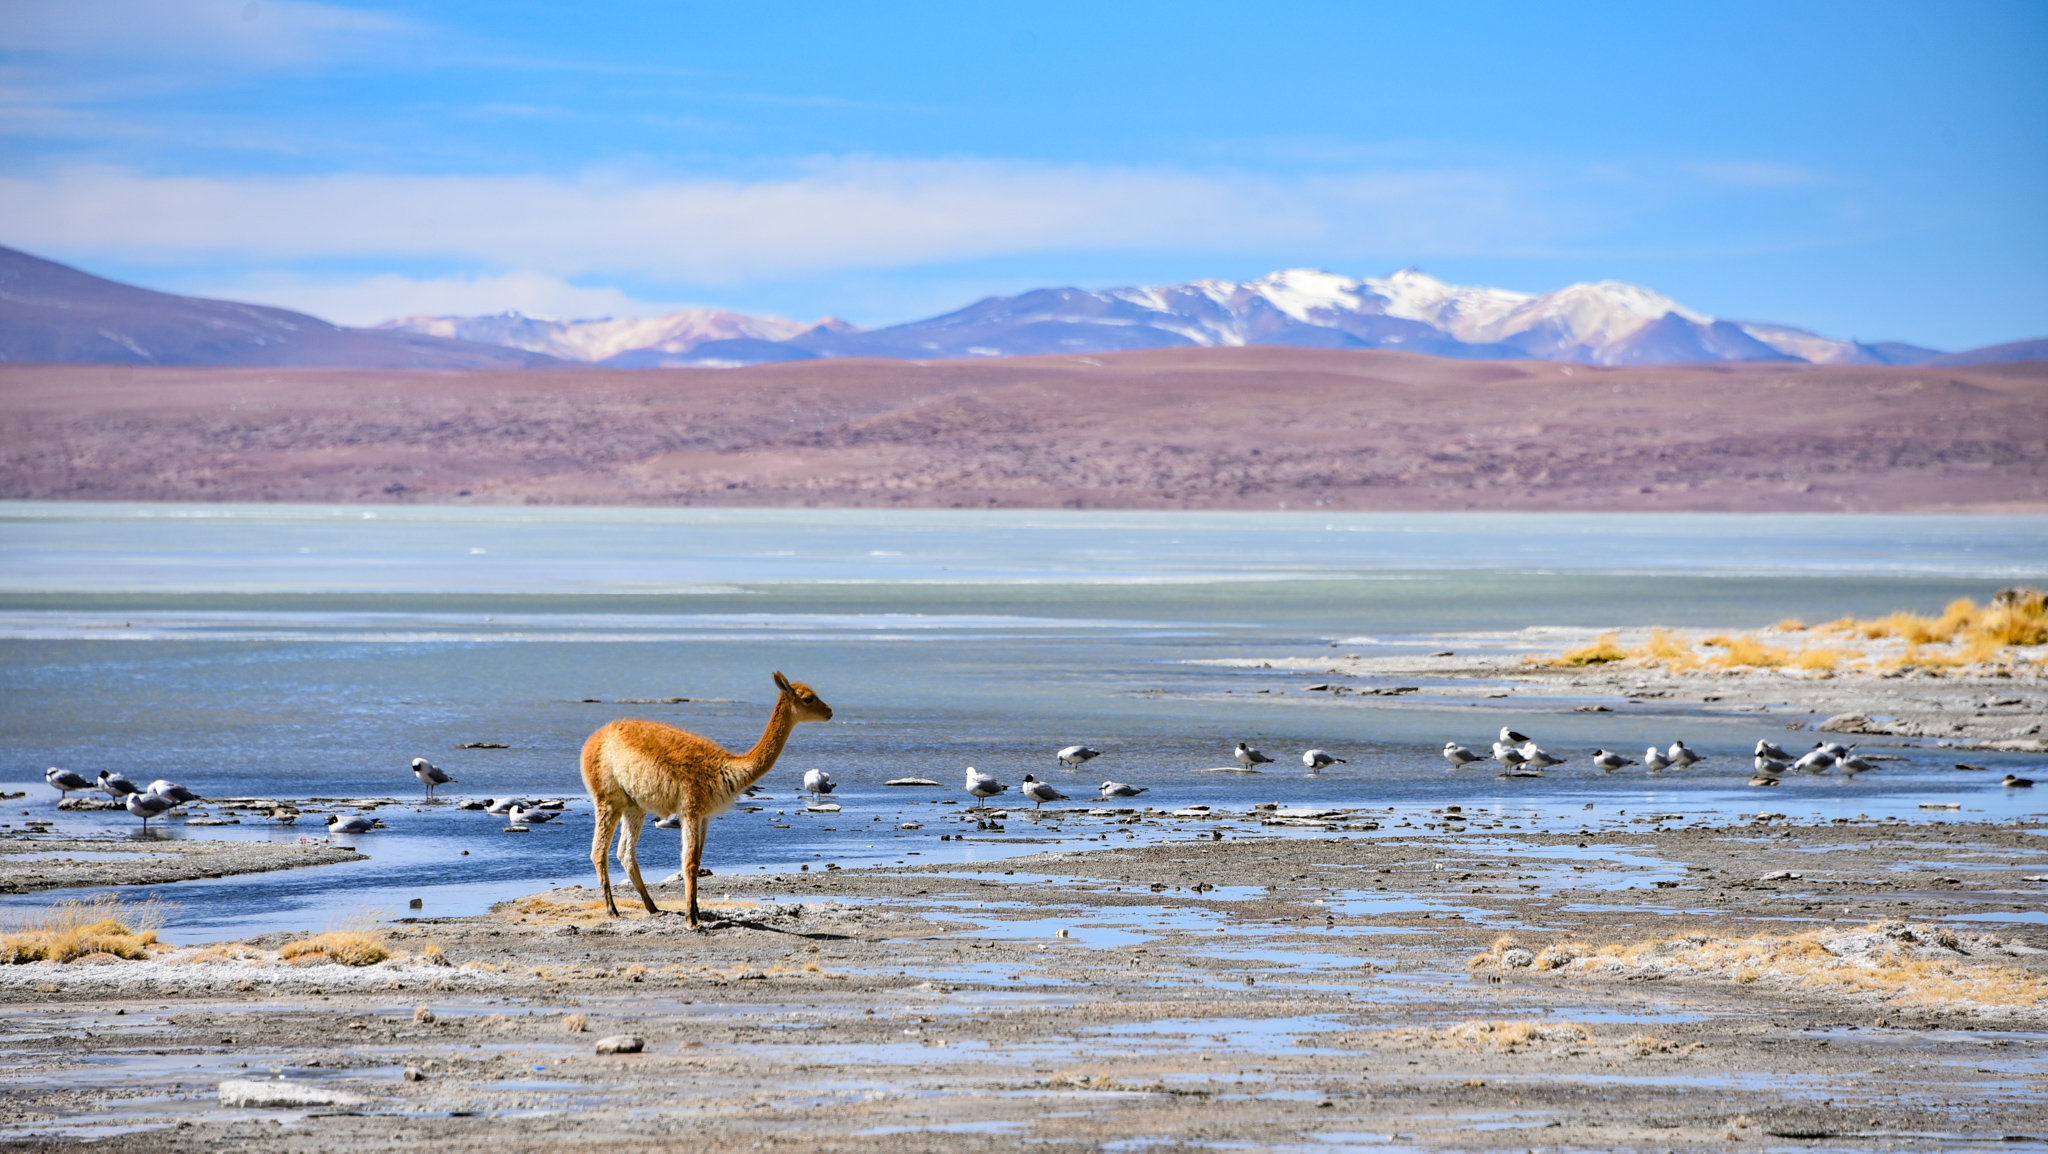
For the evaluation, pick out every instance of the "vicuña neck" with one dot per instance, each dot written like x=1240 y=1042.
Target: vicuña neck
x=760 y=759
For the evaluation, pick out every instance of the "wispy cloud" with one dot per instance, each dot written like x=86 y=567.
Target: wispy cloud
x=826 y=216
x=369 y=300
x=260 y=33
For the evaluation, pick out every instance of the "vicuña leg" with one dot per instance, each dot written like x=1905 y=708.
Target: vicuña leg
x=600 y=847
x=629 y=856
x=693 y=860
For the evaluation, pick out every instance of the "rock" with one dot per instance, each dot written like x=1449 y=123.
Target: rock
x=247 y=1094
x=415 y=1074
x=473 y=803
x=913 y=781
x=1592 y=709
x=482 y=745
x=1780 y=875
x=1849 y=723
x=1515 y=957
x=621 y=1044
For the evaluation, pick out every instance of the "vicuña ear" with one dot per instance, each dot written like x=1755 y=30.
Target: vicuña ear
x=782 y=681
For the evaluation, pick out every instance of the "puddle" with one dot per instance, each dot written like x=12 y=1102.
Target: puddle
x=2028 y=917
x=990 y=1127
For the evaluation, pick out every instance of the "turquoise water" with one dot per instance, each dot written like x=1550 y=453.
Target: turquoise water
x=313 y=651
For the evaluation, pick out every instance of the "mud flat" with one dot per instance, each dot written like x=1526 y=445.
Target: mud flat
x=43 y=863
x=1763 y=985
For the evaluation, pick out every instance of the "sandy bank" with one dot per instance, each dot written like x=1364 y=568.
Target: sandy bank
x=29 y=862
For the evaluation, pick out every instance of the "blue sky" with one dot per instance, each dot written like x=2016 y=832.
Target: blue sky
x=1875 y=170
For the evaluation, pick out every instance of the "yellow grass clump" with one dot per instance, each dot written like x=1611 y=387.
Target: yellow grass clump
x=340 y=947
x=68 y=930
x=1817 y=659
x=1748 y=651
x=1500 y=1035
x=1790 y=625
x=1603 y=651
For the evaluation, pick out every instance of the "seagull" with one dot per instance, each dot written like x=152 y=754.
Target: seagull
x=1766 y=749
x=523 y=816
x=1816 y=760
x=1834 y=749
x=503 y=805
x=177 y=794
x=1771 y=766
x=1681 y=756
x=1317 y=759
x=982 y=785
x=356 y=824
x=1607 y=759
x=1074 y=755
x=672 y=821
x=1458 y=755
x=1653 y=758
x=430 y=775
x=1538 y=758
x=818 y=782
x=1508 y=755
x=1041 y=791
x=1510 y=737
x=1248 y=757
x=1853 y=765
x=64 y=781
x=2012 y=782
x=116 y=785
x=1120 y=789
x=148 y=805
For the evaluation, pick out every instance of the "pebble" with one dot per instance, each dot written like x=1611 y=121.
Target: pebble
x=621 y=1044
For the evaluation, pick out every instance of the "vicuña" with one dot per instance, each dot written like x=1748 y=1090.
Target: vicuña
x=633 y=768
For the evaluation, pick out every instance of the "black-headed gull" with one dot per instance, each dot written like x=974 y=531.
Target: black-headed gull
x=1508 y=755
x=982 y=785
x=1537 y=757
x=430 y=775
x=1075 y=755
x=177 y=794
x=1458 y=755
x=1681 y=756
x=503 y=805
x=355 y=823
x=147 y=805
x=521 y=815
x=1510 y=737
x=819 y=783
x=1121 y=789
x=116 y=785
x=1853 y=765
x=1248 y=757
x=1653 y=758
x=1317 y=759
x=1608 y=759
x=1040 y=791
x=1815 y=761
x=1774 y=752
x=1771 y=766
x=64 y=781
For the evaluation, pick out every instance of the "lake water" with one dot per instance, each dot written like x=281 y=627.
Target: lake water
x=303 y=652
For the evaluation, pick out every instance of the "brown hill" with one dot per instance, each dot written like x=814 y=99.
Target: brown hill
x=1250 y=428
x=52 y=313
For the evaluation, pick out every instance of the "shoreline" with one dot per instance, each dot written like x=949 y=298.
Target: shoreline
x=1262 y=991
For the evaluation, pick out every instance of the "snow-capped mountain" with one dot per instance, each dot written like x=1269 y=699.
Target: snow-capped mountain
x=1608 y=323
x=628 y=342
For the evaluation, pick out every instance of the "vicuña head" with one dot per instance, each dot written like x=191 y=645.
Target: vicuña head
x=633 y=768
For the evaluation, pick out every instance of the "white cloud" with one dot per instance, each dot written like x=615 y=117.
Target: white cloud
x=369 y=300
x=829 y=216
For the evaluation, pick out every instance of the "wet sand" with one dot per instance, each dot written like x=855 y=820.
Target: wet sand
x=30 y=861
x=1322 y=995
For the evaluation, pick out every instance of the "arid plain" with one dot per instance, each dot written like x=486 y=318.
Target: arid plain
x=1218 y=428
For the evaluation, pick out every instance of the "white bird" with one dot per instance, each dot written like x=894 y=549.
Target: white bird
x=1074 y=755
x=1458 y=755
x=1510 y=737
x=177 y=794
x=1537 y=757
x=1120 y=789
x=1853 y=765
x=64 y=781
x=503 y=805
x=521 y=815
x=1834 y=749
x=1775 y=753
x=818 y=782
x=1608 y=759
x=1508 y=755
x=672 y=821
x=1681 y=756
x=356 y=824
x=1041 y=791
x=1653 y=758
x=116 y=785
x=1248 y=757
x=1771 y=766
x=982 y=785
x=1815 y=761
x=430 y=775
x=148 y=805
x=1317 y=759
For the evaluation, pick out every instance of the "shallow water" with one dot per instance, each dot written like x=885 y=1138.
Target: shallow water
x=312 y=652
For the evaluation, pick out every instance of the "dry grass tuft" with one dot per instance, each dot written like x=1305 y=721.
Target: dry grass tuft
x=1082 y=1080
x=1817 y=659
x=1747 y=651
x=1603 y=651
x=102 y=928
x=576 y=1023
x=338 y=947
x=424 y=1016
x=1790 y=625
x=1500 y=1035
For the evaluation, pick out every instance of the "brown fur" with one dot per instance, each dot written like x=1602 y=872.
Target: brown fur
x=633 y=768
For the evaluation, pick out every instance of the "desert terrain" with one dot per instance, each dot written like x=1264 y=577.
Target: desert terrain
x=1218 y=428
